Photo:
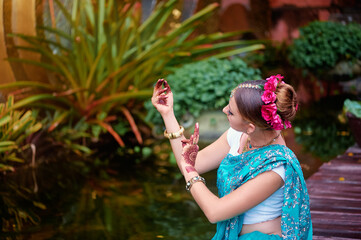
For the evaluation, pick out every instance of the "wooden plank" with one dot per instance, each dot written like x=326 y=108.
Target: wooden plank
x=334 y=238
x=335 y=177
x=336 y=232
x=351 y=220
x=332 y=191
x=347 y=168
x=339 y=207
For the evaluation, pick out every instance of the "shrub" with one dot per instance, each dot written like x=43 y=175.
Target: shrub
x=322 y=45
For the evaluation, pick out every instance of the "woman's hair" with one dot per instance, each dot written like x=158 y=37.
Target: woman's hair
x=249 y=102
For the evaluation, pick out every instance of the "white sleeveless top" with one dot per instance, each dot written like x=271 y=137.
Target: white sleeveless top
x=270 y=208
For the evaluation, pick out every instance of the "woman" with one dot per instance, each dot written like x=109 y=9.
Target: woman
x=262 y=192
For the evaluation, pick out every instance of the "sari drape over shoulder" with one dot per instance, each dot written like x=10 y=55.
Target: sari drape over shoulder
x=236 y=170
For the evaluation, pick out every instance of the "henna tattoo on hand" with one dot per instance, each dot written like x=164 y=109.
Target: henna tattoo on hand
x=190 y=150
x=162 y=92
x=162 y=100
x=190 y=169
x=159 y=83
x=190 y=154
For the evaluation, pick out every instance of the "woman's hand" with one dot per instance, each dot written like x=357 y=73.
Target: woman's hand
x=162 y=98
x=190 y=150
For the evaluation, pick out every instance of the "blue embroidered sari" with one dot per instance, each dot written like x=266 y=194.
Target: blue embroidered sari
x=236 y=170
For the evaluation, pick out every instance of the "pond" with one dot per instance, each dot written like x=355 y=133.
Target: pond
x=118 y=201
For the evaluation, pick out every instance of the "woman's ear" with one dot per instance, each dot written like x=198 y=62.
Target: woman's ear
x=251 y=128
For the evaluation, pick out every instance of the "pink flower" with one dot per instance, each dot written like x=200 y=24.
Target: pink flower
x=276 y=123
x=271 y=84
x=288 y=124
x=268 y=97
x=269 y=111
x=273 y=77
x=279 y=77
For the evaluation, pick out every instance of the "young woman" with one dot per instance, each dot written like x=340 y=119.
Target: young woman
x=262 y=192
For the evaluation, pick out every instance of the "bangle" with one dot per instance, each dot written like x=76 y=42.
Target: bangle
x=175 y=134
x=194 y=180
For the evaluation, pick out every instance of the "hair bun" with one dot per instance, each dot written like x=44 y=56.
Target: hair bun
x=286 y=101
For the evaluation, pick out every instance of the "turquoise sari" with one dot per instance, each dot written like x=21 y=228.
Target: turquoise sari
x=236 y=170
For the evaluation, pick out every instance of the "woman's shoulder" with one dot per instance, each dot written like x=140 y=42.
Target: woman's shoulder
x=233 y=136
x=280 y=151
x=232 y=133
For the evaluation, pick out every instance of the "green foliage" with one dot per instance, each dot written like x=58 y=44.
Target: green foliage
x=353 y=107
x=204 y=85
x=320 y=132
x=15 y=127
x=322 y=45
x=105 y=66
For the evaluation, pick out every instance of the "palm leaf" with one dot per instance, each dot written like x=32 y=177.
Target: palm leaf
x=4 y=120
x=119 y=97
x=240 y=50
x=18 y=84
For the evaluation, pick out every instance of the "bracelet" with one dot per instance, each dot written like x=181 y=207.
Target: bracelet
x=194 y=180
x=175 y=134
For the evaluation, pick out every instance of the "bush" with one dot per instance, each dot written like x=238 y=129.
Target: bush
x=322 y=45
x=204 y=85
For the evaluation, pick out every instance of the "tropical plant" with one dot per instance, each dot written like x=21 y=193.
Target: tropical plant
x=323 y=45
x=353 y=107
x=352 y=111
x=108 y=61
x=203 y=86
x=15 y=127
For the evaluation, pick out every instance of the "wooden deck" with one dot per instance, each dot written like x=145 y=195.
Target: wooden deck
x=335 y=197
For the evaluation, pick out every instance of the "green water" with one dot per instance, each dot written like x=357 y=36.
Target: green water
x=144 y=201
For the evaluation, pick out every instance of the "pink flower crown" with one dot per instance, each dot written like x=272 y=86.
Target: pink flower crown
x=269 y=109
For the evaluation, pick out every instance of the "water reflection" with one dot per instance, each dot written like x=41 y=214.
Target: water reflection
x=143 y=202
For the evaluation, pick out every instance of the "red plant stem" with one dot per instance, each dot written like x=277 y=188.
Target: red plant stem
x=132 y=124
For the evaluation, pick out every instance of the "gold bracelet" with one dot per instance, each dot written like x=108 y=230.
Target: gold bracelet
x=175 y=134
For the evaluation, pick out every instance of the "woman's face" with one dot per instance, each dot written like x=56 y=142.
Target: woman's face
x=236 y=121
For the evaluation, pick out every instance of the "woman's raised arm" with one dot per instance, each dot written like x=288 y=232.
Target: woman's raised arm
x=207 y=159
